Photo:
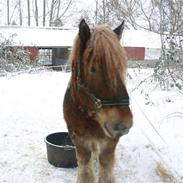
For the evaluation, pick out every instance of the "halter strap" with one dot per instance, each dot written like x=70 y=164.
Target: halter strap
x=109 y=103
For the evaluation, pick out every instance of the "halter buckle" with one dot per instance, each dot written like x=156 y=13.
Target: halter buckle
x=98 y=103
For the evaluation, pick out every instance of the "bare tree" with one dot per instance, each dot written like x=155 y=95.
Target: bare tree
x=20 y=12
x=44 y=12
x=51 y=12
x=141 y=13
x=12 y=13
x=58 y=9
x=113 y=12
x=103 y=12
x=56 y=13
x=8 y=12
x=28 y=12
x=36 y=13
x=96 y=12
x=173 y=15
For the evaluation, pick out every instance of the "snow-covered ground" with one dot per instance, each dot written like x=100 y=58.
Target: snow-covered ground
x=31 y=108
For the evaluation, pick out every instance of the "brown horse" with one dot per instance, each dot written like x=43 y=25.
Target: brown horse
x=96 y=103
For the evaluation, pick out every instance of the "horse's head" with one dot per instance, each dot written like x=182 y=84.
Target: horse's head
x=99 y=63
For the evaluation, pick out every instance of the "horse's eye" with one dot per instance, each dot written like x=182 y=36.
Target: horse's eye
x=93 y=69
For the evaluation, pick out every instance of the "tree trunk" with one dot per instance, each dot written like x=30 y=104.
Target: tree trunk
x=36 y=13
x=28 y=11
x=51 y=13
x=58 y=9
x=8 y=12
x=44 y=12
x=104 y=12
x=96 y=12
x=20 y=12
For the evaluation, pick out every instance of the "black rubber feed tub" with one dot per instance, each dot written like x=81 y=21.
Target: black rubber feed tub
x=60 y=150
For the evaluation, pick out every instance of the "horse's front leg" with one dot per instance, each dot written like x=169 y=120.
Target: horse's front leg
x=85 y=165
x=106 y=162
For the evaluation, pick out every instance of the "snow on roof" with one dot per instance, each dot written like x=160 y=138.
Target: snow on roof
x=41 y=37
x=55 y=37
x=141 y=38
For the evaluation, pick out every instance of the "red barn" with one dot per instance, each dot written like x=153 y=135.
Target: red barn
x=135 y=53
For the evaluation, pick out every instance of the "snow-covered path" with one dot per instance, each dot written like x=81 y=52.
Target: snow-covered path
x=31 y=108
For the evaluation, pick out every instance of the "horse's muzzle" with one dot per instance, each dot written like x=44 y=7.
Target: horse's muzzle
x=117 y=129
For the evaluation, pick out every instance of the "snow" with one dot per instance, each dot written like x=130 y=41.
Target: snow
x=31 y=108
x=53 y=37
x=141 y=38
x=41 y=37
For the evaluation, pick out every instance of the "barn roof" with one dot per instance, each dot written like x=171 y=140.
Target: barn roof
x=40 y=37
x=141 y=38
x=56 y=37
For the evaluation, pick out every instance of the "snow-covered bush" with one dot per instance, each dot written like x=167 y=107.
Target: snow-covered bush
x=13 y=59
x=169 y=70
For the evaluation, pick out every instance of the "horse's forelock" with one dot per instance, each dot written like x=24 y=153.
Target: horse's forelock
x=107 y=50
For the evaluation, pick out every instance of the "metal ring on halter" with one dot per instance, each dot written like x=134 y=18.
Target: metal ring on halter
x=98 y=104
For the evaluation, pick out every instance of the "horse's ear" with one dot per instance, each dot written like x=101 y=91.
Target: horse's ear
x=84 y=33
x=119 y=30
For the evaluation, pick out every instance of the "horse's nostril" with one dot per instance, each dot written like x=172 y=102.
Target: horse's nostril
x=119 y=127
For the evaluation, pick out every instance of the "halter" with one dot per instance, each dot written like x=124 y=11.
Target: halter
x=98 y=103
